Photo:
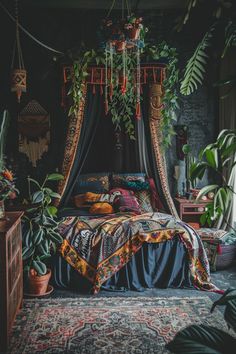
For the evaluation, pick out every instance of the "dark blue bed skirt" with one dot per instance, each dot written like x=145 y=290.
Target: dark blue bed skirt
x=159 y=265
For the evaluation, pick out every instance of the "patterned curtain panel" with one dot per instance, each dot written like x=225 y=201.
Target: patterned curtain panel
x=72 y=140
x=156 y=139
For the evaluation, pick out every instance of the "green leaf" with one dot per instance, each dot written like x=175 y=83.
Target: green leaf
x=35 y=182
x=52 y=211
x=55 y=195
x=37 y=197
x=197 y=171
x=197 y=339
x=55 y=177
x=40 y=267
x=206 y=190
x=27 y=252
x=38 y=236
x=212 y=157
x=55 y=237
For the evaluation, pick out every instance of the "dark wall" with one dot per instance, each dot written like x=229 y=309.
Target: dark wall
x=64 y=29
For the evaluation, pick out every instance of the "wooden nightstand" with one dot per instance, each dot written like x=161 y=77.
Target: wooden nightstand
x=190 y=211
x=11 y=274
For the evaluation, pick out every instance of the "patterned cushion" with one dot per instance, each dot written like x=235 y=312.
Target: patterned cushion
x=117 y=178
x=92 y=182
x=120 y=191
x=101 y=208
x=135 y=185
x=211 y=234
x=144 y=200
x=127 y=203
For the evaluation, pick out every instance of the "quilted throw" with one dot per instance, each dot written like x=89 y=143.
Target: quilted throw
x=98 y=247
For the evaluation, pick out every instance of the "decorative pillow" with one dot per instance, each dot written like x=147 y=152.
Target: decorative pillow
x=144 y=200
x=135 y=185
x=120 y=191
x=92 y=182
x=117 y=178
x=127 y=203
x=90 y=197
x=101 y=208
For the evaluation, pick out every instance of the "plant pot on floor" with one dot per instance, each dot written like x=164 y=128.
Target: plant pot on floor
x=38 y=284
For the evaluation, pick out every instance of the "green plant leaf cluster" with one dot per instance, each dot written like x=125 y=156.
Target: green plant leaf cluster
x=217 y=158
x=122 y=107
x=224 y=21
x=204 y=339
x=40 y=225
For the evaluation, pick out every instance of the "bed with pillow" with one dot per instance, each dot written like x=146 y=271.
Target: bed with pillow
x=115 y=239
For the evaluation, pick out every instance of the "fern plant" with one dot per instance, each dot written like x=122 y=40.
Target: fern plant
x=224 y=15
x=196 y=66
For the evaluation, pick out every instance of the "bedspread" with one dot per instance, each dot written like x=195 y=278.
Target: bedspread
x=97 y=247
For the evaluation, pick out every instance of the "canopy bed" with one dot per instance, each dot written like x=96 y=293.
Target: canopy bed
x=125 y=247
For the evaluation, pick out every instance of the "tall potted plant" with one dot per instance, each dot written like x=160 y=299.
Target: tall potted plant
x=40 y=234
x=219 y=159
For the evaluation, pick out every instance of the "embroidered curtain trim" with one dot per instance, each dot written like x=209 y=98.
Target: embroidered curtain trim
x=156 y=137
x=72 y=140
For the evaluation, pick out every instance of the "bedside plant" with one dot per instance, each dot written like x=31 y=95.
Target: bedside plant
x=218 y=158
x=207 y=339
x=40 y=230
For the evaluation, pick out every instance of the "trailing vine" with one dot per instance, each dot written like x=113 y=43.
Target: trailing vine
x=122 y=106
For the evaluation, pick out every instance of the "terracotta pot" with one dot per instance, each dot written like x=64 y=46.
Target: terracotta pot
x=38 y=285
x=120 y=46
x=134 y=33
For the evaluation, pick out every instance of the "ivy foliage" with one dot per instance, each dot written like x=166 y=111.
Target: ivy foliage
x=122 y=106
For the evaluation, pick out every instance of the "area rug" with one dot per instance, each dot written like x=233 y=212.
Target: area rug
x=106 y=325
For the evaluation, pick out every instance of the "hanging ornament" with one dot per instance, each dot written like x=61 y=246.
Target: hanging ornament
x=138 y=86
x=18 y=73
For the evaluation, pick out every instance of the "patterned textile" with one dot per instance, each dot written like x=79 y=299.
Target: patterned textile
x=120 y=191
x=99 y=247
x=92 y=182
x=135 y=185
x=127 y=203
x=114 y=325
x=144 y=200
x=156 y=137
x=72 y=140
x=212 y=234
x=117 y=178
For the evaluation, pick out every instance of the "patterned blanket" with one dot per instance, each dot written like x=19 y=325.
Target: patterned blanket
x=99 y=246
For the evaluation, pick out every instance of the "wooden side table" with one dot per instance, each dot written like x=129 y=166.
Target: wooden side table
x=11 y=274
x=190 y=211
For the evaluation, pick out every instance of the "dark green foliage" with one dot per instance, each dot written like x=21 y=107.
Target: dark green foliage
x=218 y=158
x=203 y=339
x=40 y=226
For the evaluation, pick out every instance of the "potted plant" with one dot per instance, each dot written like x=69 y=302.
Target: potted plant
x=207 y=339
x=218 y=159
x=40 y=234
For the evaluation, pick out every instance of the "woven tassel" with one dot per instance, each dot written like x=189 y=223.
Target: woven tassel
x=219 y=249
x=106 y=107
x=138 y=110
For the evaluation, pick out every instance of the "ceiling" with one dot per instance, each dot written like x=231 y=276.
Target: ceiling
x=106 y=4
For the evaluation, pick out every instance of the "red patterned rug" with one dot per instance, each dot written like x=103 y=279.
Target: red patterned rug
x=106 y=325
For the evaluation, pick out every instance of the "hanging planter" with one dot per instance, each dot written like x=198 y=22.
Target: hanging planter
x=120 y=46
x=18 y=82
x=134 y=33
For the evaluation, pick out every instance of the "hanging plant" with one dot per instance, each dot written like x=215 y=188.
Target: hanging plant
x=122 y=105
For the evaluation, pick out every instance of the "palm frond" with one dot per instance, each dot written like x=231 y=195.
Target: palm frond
x=195 y=69
x=230 y=37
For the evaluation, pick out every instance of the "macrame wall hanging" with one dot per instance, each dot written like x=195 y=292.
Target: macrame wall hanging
x=34 y=131
x=18 y=72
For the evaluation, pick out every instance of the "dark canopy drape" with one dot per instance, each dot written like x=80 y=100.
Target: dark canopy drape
x=101 y=149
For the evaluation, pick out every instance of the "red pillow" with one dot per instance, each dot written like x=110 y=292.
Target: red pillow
x=127 y=203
